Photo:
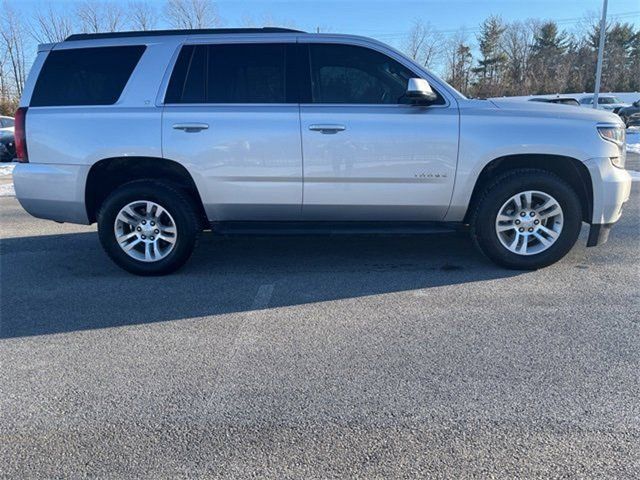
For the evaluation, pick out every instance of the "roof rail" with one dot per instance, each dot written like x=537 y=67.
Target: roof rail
x=159 y=33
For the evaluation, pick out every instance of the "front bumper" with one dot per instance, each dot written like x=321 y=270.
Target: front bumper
x=611 y=189
x=54 y=192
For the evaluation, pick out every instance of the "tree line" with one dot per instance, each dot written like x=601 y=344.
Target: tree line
x=504 y=58
x=530 y=57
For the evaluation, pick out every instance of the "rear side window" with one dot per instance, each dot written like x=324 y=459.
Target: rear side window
x=240 y=73
x=85 y=76
x=6 y=122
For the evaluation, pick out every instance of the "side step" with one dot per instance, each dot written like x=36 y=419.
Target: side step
x=334 y=228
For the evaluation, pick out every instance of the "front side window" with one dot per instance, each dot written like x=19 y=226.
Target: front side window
x=351 y=74
x=234 y=73
x=85 y=76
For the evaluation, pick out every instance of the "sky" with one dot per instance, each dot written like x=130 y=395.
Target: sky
x=393 y=18
x=390 y=20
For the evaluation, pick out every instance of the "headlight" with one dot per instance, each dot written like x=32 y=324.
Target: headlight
x=616 y=135
x=612 y=134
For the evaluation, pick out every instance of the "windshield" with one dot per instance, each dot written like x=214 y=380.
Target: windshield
x=601 y=100
x=607 y=100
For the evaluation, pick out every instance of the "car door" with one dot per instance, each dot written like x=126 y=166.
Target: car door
x=368 y=154
x=232 y=119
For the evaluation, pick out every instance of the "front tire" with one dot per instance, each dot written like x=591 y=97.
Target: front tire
x=148 y=227
x=527 y=219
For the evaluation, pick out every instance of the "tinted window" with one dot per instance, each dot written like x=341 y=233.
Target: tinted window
x=568 y=101
x=7 y=122
x=357 y=75
x=185 y=88
x=246 y=74
x=85 y=76
x=241 y=73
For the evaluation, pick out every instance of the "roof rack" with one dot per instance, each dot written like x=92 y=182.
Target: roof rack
x=159 y=33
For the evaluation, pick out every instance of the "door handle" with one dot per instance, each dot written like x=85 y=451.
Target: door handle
x=190 y=127
x=328 y=128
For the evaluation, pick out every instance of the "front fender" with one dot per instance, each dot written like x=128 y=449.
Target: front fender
x=486 y=135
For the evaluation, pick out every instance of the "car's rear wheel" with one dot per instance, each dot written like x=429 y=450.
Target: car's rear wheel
x=148 y=227
x=527 y=219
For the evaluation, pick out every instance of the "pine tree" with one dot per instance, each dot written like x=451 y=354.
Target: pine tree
x=548 y=65
x=491 y=66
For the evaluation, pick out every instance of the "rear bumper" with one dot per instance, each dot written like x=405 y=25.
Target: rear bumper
x=611 y=189
x=52 y=192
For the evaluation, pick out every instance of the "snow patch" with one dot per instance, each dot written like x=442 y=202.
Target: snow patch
x=7 y=190
x=6 y=169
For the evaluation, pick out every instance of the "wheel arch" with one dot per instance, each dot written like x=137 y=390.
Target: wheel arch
x=571 y=170
x=109 y=173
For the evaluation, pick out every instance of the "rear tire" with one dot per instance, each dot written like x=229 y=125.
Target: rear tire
x=148 y=227
x=523 y=197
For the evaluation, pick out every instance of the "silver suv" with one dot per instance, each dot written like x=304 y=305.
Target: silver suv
x=157 y=136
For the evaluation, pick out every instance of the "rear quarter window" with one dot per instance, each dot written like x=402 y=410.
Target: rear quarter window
x=85 y=76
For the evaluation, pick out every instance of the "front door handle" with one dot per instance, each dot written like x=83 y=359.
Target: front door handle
x=327 y=128
x=190 y=127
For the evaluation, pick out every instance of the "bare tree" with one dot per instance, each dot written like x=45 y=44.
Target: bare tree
x=142 y=15
x=424 y=44
x=13 y=48
x=517 y=42
x=98 y=16
x=50 y=25
x=192 y=13
x=458 y=61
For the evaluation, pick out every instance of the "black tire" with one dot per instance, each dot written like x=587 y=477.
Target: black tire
x=483 y=220
x=174 y=201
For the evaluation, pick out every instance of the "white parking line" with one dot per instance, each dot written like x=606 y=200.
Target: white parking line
x=263 y=297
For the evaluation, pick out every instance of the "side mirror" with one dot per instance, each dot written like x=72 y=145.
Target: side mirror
x=419 y=91
x=636 y=103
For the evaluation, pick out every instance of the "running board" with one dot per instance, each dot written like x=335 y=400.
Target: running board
x=334 y=228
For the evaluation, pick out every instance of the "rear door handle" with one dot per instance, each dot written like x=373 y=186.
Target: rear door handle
x=190 y=127
x=327 y=128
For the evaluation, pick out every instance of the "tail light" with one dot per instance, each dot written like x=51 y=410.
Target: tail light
x=20 y=134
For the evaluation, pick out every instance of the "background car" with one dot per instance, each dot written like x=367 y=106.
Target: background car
x=7 y=145
x=558 y=100
x=634 y=120
x=626 y=113
x=6 y=123
x=605 y=102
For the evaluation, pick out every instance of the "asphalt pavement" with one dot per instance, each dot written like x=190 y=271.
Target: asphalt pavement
x=317 y=357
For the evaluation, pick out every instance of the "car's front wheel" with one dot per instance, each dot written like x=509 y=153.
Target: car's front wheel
x=527 y=219
x=148 y=227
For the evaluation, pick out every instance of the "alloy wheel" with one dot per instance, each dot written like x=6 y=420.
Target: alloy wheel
x=145 y=231
x=529 y=222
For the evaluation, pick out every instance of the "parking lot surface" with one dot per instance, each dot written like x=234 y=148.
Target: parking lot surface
x=317 y=357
